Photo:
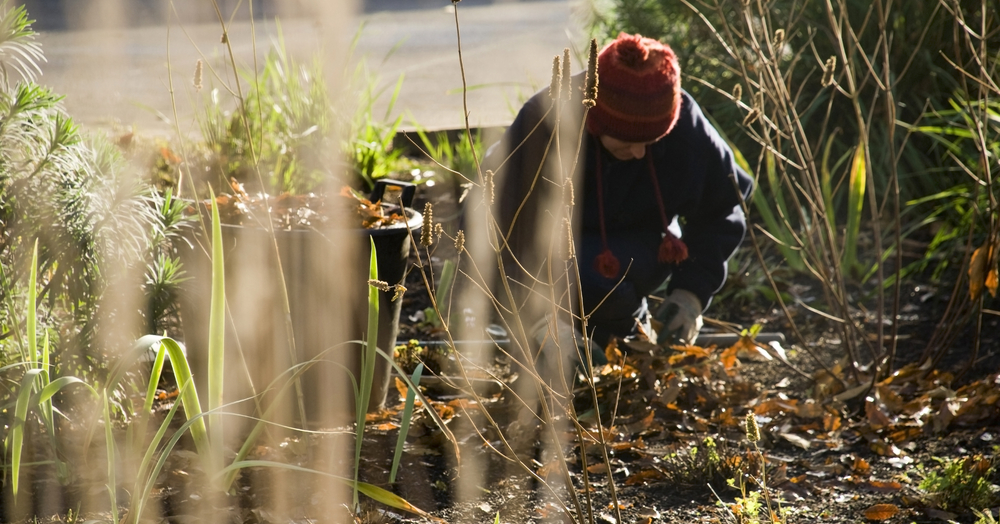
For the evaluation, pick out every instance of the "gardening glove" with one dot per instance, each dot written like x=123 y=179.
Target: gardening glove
x=680 y=316
x=556 y=338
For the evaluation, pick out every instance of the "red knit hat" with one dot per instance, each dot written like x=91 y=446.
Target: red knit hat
x=639 y=96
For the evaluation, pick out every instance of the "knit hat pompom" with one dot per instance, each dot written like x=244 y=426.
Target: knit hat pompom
x=640 y=98
x=631 y=52
x=606 y=264
x=672 y=249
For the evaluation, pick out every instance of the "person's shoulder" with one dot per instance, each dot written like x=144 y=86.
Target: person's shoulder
x=691 y=112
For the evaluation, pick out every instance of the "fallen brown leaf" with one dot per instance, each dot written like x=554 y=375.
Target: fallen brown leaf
x=401 y=388
x=642 y=477
x=881 y=512
x=877 y=419
x=598 y=469
x=879 y=486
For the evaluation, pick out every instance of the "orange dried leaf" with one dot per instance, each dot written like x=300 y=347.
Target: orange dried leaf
x=881 y=512
x=444 y=411
x=831 y=422
x=775 y=406
x=379 y=416
x=683 y=352
x=882 y=486
x=401 y=388
x=992 y=281
x=977 y=272
x=861 y=466
x=642 y=477
x=728 y=358
x=597 y=469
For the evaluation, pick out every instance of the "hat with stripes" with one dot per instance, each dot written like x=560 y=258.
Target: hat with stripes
x=639 y=96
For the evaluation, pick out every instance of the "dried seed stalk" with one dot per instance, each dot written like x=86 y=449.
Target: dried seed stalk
x=590 y=92
x=555 y=86
x=427 y=229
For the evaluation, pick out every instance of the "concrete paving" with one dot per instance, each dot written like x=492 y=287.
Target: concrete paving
x=118 y=77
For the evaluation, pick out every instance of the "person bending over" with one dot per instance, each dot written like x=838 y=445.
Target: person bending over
x=655 y=201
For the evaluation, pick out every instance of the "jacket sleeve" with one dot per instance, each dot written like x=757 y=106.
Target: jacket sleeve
x=713 y=220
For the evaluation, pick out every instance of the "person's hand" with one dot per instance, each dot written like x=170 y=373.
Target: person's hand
x=680 y=315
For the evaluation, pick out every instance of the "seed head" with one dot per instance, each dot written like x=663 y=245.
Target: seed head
x=568 y=193
x=753 y=430
x=427 y=229
x=567 y=74
x=779 y=40
x=460 y=241
x=488 y=185
x=828 y=70
x=438 y=231
x=379 y=285
x=555 y=87
x=738 y=92
x=590 y=93
x=197 y=75
x=570 y=245
x=400 y=289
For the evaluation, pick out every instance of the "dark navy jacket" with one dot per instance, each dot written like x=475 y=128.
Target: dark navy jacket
x=693 y=166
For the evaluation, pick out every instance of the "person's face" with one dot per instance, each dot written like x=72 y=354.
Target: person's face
x=624 y=150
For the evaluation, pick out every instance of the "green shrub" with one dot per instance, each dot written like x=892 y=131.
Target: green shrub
x=961 y=484
x=281 y=129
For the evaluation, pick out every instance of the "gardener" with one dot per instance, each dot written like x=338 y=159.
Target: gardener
x=654 y=181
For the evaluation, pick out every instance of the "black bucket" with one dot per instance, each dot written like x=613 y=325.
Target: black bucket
x=327 y=294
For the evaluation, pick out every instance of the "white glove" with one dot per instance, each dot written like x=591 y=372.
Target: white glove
x=686 y=321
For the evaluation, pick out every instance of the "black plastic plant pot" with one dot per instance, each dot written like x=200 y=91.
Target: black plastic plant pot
x=325 y=275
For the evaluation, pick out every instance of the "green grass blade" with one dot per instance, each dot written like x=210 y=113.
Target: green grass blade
x=371 y=491
x=154 y=380
x=404 y=424
x=855 y=204
x=216 y=333
x=139 y=501
x=363 y=395
x=17 y=432
x=188 y=396
x=45 y=405
x=32 y=320
x=57 y=385
x=109 y=440
x=165 y=453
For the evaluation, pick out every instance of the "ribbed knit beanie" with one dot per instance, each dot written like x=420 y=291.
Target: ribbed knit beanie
x=640 y=95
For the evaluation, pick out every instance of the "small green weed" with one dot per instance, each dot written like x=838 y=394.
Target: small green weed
x=708 y=462
x=961 y=484
x=984 y=517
